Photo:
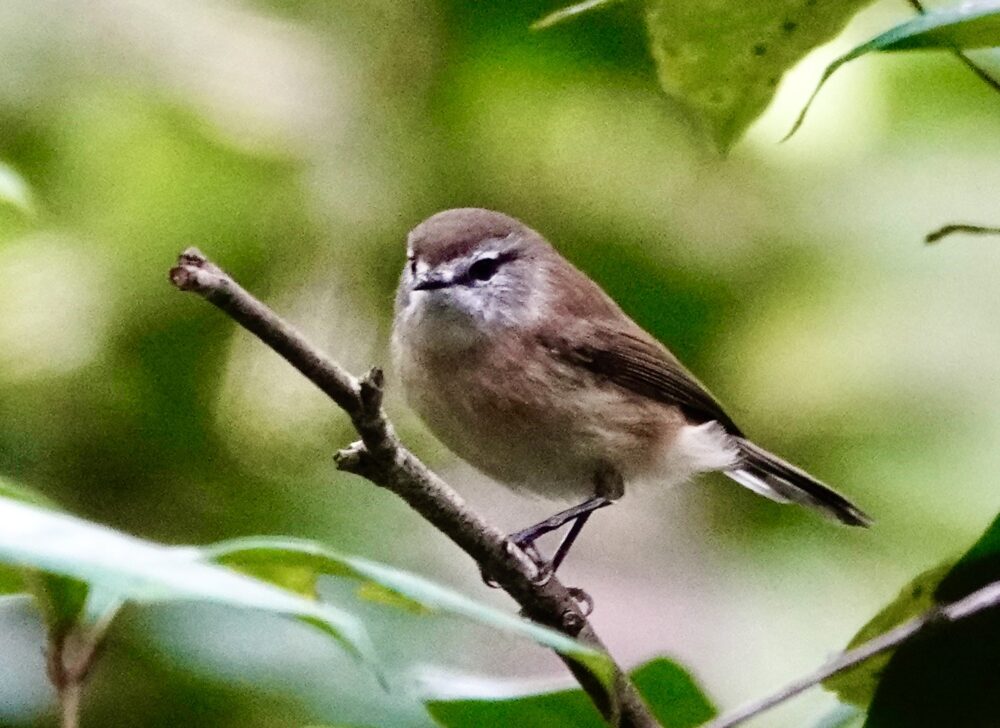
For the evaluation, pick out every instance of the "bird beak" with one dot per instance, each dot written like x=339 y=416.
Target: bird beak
x=430 y=281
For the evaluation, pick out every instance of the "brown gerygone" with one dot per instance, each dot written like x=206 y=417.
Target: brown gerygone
x=526 y=369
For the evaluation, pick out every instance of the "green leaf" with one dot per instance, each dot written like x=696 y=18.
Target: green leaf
x=671 y=693
x=968 y=25
x=128 y=568
x=948 y=674
x=548 y=710
x=857 y=685
x=11 y=581
x=60 y=599
x=978 y=567
x=723 y=61
x=14 y=191
x=24 y=494
x=276 y=558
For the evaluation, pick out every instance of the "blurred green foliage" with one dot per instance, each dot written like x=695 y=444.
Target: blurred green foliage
x=297 y=142
x=672 y=695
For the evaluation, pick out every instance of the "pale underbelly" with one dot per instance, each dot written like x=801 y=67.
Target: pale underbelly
x=551 y=445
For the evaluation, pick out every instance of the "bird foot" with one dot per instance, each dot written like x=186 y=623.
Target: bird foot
x=544 y=568
x=583 y=600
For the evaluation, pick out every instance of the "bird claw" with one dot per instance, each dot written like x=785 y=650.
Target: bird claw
x=543 y=567
x=583 y=600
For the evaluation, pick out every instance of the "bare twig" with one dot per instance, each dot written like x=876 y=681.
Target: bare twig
x=960 y=228
x=381 y=458
x=985 y=598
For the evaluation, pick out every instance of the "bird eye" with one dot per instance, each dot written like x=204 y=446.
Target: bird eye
x=483 y=269
x=412 y=262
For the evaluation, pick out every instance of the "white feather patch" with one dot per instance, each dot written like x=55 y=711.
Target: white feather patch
x=699 y=449
x=758 y=486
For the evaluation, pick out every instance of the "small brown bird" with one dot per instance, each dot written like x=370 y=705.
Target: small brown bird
x=526 y=369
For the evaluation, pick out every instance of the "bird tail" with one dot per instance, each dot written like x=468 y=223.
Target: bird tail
x=770 y=476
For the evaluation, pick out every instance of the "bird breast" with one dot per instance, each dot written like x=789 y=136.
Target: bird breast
x=508 y=407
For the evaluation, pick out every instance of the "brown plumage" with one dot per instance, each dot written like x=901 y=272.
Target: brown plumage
x=525 y=368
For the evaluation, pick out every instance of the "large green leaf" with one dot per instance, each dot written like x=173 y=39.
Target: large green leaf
x=295 y=563
x=61 y=599
x=978 y=567
x=948 y=674
x=968 y=25
x=136 y=570
x=17 y=492
x=857 y=685
x=723 y=60
x=671 y=693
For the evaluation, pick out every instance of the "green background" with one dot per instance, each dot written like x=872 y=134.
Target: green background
x=297 y=142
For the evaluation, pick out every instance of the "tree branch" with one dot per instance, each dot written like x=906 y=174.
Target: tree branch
x=977 y=601
x=381 y=458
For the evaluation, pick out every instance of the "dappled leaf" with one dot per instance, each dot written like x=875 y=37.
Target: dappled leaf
x=670 y=692
x=133 y=569
x=968 y=25
x=265 y=556
x=723 y=61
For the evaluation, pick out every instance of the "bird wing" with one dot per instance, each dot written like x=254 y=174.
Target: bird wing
x=635 y=361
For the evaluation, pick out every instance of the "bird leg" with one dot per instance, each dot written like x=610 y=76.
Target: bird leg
x=608 y=486
x=525 y=539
